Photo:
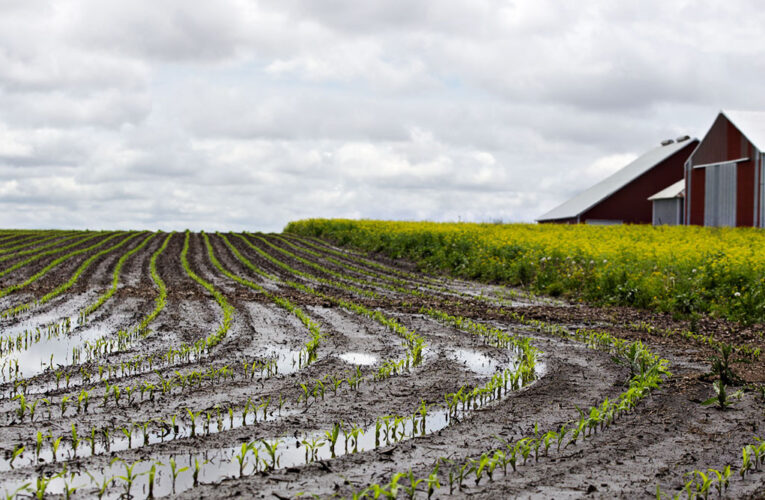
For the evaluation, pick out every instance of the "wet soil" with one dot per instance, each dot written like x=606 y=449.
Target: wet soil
x=668 y=434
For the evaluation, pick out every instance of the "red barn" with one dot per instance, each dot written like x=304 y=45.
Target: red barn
x=623 y=197
x=724 y=175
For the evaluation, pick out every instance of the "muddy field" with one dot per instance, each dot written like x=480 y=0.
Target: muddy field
x=154 y=364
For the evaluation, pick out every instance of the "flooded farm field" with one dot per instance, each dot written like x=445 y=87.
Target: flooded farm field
x=138 y=364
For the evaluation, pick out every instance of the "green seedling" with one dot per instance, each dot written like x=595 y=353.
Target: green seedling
x=432 y=481
x=271 y=450
x=82 y=401
x=561 y=435
x=721 y=366
x=75 y=439
x=195 y=473
x=64 y=402
x=701 y=482
x=175 y=471
x=721 y=398
x=152 y=473
x=332 y=436
x=746 y=463
x=22 y=409
x=312 y=448
x=55 y=443
x=92 y=440
x=411 y=488
x=306 y=394
x=18 y=450
x=38 y=444
x=102 y=484
x=17 y=492
x=42 y=483
x=193 y=417
x=129 y=477
x=241 y=457
x=33 y=408
x=128 y=432
x=723 y=479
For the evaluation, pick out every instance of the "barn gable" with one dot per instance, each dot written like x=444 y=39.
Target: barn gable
x=623 y=196
x=723 y=173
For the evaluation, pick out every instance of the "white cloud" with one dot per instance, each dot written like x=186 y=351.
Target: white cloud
x=241 y=114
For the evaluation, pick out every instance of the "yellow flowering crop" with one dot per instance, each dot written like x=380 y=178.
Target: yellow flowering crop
x=685 y=270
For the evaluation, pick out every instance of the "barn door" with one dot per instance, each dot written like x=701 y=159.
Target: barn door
x=720 y=195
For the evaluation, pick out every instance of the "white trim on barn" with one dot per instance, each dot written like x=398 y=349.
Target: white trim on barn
x=667 y=205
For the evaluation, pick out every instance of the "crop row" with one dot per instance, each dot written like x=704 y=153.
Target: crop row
x=686 y=270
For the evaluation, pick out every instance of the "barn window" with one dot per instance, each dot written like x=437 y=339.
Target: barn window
x=720 y=195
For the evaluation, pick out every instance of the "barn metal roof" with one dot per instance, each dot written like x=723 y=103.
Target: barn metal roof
x=676 y=190
x=751 y=124
x=608 y=186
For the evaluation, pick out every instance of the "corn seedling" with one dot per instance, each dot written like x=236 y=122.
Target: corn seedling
x=241 y=458
x=411 y=488
x=18 y=450
x=75 y=439
x=271 y=449
x=332 y=436
x=312 y=448
x=175 y=471
x=432 y=481
x=101 y=485
x=723 y=479
x=721 y=398
x=55 y=443
x=129 y=477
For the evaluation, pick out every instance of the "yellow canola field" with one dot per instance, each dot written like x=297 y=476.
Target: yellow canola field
x=685 y=270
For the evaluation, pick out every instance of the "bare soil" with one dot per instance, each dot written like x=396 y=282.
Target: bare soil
x=666 y=436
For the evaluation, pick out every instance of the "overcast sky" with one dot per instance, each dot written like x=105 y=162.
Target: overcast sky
x=235 y=114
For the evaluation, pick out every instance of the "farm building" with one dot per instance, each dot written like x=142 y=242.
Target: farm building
x=668 y=205
x=724 y=175
x=623 y=196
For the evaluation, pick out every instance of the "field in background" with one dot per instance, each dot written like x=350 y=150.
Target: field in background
x=684 y=270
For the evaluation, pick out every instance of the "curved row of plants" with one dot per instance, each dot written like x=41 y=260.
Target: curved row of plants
x=685 y=270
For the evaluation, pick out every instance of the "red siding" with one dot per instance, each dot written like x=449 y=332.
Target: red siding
x=745 y=194
x=698 y=179
x=630 y=204
x=724 y=142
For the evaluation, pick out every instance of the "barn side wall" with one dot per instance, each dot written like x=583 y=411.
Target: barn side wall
x=724 y=142
x=630 y=204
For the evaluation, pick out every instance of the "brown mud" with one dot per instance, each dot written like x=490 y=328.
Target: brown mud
x=667 y=435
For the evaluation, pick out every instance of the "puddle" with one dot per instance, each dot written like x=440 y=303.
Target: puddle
x=213 y=466
x=358 y=358
x=475 y=361
x=33 y=351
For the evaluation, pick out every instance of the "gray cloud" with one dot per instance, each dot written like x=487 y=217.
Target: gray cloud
x=245 y=115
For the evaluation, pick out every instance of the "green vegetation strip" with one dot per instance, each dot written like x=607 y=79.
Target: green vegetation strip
x=647 y=373
x=337 y=275
x=413 y=342
x=685 y=270
x=36 y=241
x=348 y=255
x=21 y=242
x=40 y=249
x=162 y=296
x=342 y=264
x=71 y=281
x=53 y=252
x=228 y=310
x=291 y=270
x=313 y=327
x=115 y=279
